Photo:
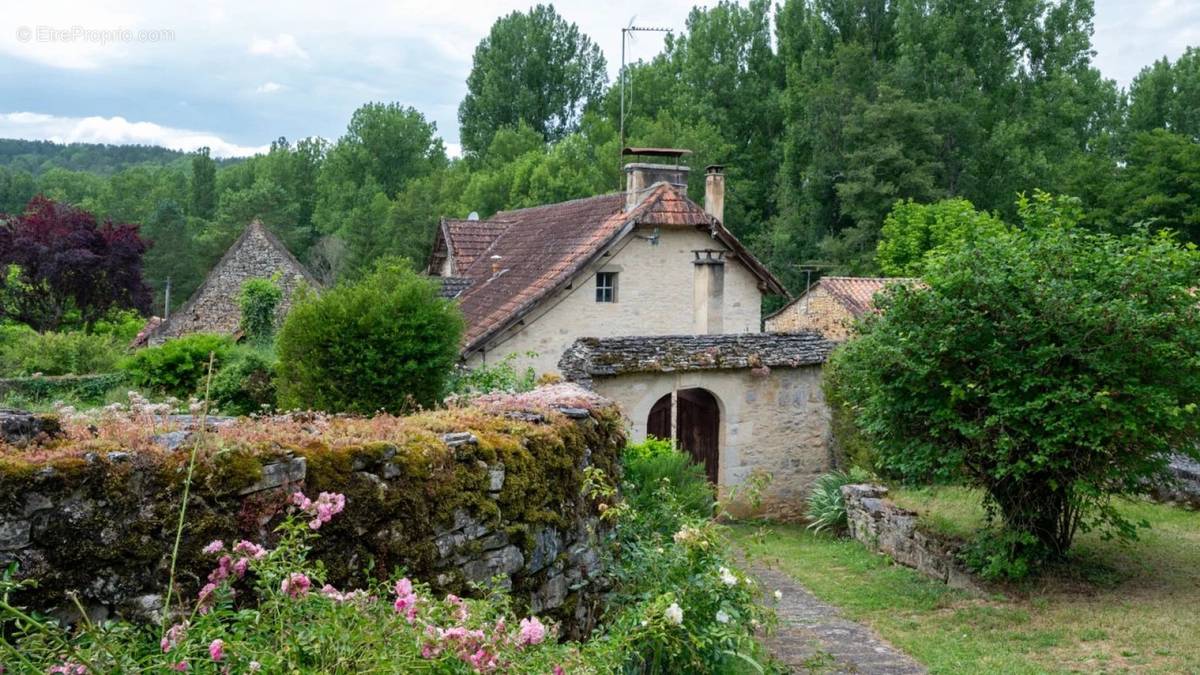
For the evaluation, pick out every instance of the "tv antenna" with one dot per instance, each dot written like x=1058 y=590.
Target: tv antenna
x=627 y=33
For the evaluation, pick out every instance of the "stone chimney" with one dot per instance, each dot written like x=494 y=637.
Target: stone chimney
x=641 y=176
x=708 y=291
x=714 y=191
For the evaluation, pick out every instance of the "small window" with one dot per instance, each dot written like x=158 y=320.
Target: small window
x=606 y=287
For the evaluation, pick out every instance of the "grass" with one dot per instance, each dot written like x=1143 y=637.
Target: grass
x=1117 y=608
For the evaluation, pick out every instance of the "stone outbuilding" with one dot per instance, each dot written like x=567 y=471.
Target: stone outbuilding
x=743 y=405
x=831 y=306
x=213 y=308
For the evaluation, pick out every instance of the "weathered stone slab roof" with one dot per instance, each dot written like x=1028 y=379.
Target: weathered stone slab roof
x=600 y=357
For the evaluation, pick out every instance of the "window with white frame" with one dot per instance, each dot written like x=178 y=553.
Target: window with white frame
x=606 y=287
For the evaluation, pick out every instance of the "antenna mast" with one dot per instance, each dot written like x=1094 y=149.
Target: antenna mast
x=627 y=32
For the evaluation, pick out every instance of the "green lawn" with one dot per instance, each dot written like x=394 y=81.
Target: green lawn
x=1120 y=609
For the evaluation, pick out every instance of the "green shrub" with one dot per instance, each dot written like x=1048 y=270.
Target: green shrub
x=259 y=300
x=245 y=384
x=387 y=342
x=499 y=376
x=24 y=351
x=122 y=324
x=1053 y=367
x=826 y=506
x=851 y=447
x=177 y=367
x=649 y=463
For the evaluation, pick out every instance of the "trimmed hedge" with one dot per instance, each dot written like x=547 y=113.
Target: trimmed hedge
x=82 y=388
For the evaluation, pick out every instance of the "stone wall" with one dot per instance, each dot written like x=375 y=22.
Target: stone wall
x=214 y=308
x=1182 y=485
x=654 y=297
x=886 y=528
x=470 y=494
x=818 y=311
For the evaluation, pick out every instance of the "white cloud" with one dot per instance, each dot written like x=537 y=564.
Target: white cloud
x=269 y=88
x=115 y=130
x=283 y=46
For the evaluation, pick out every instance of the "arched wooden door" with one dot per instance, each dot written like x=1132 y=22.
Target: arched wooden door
x=697 y=426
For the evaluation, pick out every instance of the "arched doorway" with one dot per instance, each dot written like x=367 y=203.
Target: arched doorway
x=697 y=426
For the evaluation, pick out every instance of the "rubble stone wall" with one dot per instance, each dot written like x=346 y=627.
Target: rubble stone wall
x=886 y=528
x=474 y=494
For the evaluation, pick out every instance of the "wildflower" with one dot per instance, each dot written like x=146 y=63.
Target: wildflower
x=327 y=505
x=482 y=660
x=674 y=614
x=175 y=635
x=532 y=632
x=722 y=617
x=778 y=594
x=255 y=666
x=558 y=670
x=250 y=549
x=69 y=668
x=214 y=547
x=406 y=600
x=216 y=650
x=296 y=585
x=460 y=608
x=181 y=666
x=727 y=577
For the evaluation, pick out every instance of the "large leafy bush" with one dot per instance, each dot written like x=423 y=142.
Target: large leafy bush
x=1051 y=366
x=259 y=301
x=245 y=384
x=177 y=367
x=387 y=342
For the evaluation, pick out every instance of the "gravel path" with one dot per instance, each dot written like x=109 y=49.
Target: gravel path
x=813 y=636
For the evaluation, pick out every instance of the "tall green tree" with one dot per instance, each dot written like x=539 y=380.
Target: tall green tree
x=204 y=185
x=533 y=67
x=1166 y=95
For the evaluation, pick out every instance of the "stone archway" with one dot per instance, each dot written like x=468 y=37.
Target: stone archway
x=697 y=428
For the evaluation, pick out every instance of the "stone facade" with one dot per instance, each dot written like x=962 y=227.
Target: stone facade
x=818 y=311
x=654 y=297
x=213 y=308
x=773 y=419
x=1181 y=484
x=886 y=528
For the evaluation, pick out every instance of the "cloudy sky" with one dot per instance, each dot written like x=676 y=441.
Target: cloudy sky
x=235 y=75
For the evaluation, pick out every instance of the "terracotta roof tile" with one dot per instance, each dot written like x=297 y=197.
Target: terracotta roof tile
x=856 y=294
x=469 y=238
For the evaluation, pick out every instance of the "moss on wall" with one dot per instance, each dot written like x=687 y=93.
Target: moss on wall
x=101 y=520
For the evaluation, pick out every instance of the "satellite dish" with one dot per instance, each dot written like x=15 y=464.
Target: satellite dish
x=474 y=215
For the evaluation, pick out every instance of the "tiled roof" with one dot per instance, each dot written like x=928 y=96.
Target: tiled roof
x=856 y=294
x=469 y=238
x=539 y=249
x=452 y=287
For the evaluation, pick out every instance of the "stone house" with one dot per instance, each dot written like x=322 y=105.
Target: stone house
x=213 y=308
x=648 y=298
x=830 y=306
x=648 y=261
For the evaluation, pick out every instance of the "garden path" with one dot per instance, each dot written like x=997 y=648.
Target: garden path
x=813 y=636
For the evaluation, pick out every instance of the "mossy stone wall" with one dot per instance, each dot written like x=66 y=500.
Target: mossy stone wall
x=469 y=495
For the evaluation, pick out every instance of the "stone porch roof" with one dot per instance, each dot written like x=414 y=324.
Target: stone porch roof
x=591 y=357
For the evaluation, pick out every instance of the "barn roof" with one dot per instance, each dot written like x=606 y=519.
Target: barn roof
x=538 y=250
x=856 y=294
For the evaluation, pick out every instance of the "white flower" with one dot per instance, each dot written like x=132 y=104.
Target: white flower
x=778 y=594
x=727 y=577
x=674 y=614
x=722 y=617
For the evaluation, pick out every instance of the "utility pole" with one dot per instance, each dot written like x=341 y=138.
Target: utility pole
x=167 y=301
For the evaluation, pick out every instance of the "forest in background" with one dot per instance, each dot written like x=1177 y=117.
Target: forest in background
x=824 y=112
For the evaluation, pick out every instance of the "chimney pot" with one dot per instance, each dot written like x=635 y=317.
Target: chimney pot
x=714 y=191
